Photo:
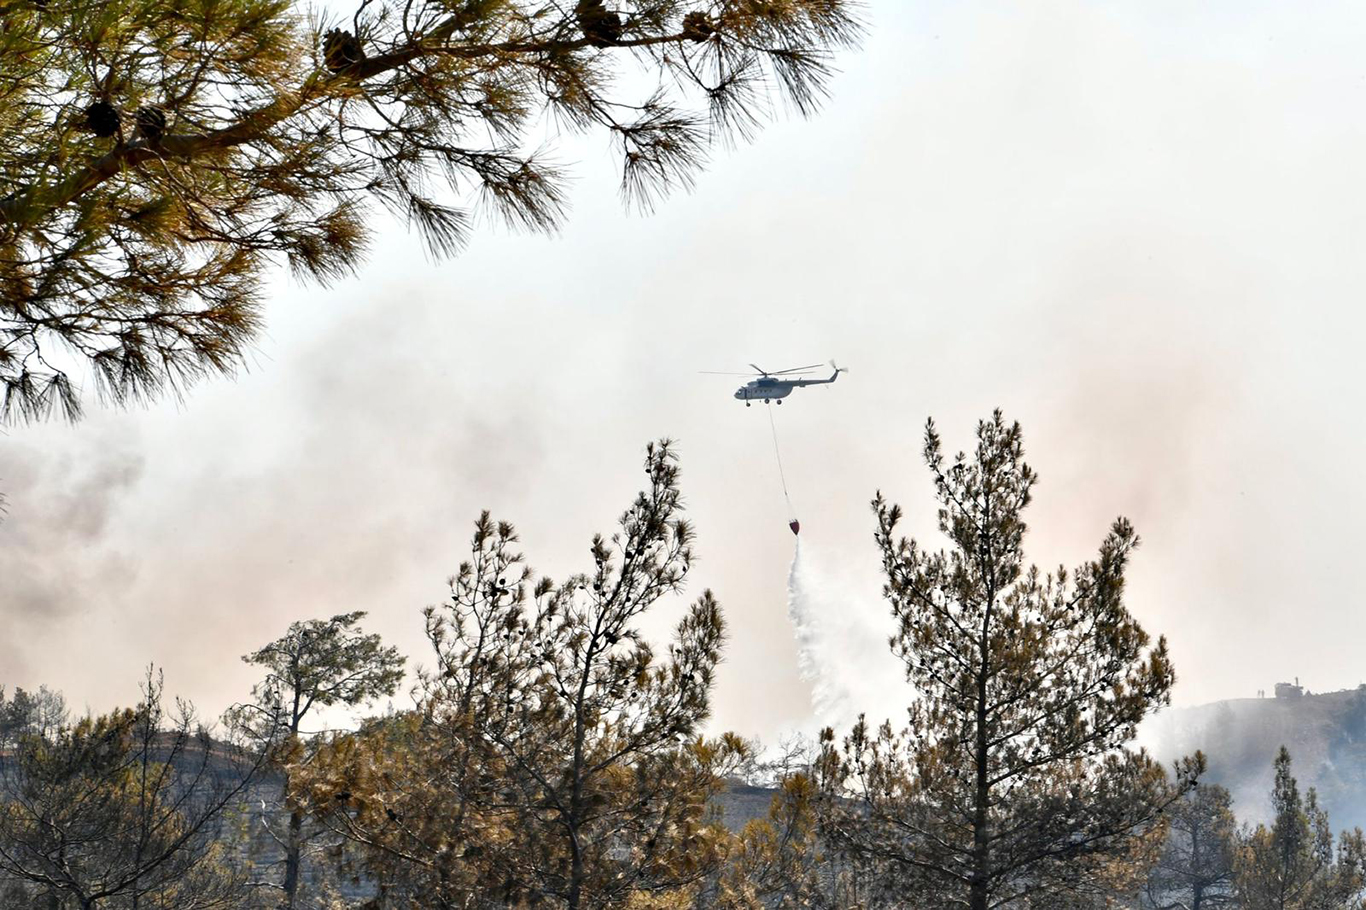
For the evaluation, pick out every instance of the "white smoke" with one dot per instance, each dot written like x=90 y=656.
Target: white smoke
x=842 y=648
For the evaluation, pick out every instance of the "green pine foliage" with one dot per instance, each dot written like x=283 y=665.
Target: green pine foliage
x=1196 y=865
x=160 y=154
x=122 y=810
x=555 y=757
x=1013 y=782
x=1292 y=863
x=318 y=663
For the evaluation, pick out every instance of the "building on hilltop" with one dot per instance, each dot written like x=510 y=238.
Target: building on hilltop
x=1289 y=690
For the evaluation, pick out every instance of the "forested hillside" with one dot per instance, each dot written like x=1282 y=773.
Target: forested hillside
x=1326 y=733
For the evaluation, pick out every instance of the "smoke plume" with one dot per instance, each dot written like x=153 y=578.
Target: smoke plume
x=58 y=556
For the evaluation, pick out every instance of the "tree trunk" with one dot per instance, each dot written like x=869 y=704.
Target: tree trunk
x=981 y=855
x=293 y=847
x=576 y=882
x=1198 y=886
x=981 y=846
x=977 y=897
x=576 y=869
x=294 y=839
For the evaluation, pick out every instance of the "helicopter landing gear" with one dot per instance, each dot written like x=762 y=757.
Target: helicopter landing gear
x=747 y=403
x=766 y=401
x=780 y=401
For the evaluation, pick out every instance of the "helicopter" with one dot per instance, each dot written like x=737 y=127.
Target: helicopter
x=770 y=387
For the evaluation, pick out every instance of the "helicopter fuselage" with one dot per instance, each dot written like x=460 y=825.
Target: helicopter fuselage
x=768 y=388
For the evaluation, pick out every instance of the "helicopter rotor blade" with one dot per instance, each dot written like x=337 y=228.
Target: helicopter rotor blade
x=760 y=370
x=723 y=373
x=795 y=369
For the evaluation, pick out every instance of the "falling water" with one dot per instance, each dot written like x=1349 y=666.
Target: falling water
x=842 y=647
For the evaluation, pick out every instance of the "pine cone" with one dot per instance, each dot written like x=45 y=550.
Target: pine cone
x=102 y=119
x=151 y=122
x=697 y=27
x=601 y=26
x=342 y=51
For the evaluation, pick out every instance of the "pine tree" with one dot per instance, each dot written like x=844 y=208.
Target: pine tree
x=1013 y=780
x=122 y=810
x=157 y=157
x=1196 y=867
x=38 y=713
x=1292 y=865
x=556 y=759
x=775 y=861
x=315 y=664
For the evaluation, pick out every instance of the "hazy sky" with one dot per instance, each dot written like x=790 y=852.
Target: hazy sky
x=1134 y=226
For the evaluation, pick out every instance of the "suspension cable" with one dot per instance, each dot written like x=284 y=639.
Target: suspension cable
x=792 y=513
